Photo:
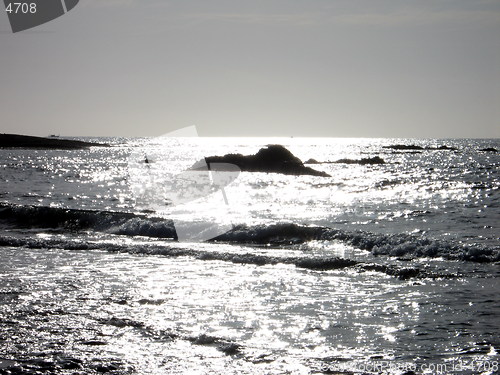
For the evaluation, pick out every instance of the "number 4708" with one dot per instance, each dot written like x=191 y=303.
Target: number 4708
x=21 y=8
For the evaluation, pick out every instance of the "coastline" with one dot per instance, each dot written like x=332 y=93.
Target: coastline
x=27 y=141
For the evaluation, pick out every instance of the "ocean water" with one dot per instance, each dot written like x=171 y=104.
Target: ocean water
x=109 y=266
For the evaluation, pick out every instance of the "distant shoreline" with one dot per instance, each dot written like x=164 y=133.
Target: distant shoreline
x=27 y=141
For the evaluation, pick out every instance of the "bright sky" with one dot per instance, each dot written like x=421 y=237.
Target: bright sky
x=323 y=68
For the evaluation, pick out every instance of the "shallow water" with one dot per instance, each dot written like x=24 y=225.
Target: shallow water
x=155 y=314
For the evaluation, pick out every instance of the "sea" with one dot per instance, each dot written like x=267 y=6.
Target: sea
x=114 y=260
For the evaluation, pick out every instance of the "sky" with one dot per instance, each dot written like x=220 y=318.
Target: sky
x=261 y=68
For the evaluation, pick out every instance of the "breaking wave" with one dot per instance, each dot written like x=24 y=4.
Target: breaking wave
x=101 y=221
x=280 y=235
x=398 y=245
x=317 y=263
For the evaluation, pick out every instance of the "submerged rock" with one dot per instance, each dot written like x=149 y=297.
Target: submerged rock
x=270 y=159
x=94 y=342
x=448 y=148
x=363 y=161
x=402 y=147
x=489 y=149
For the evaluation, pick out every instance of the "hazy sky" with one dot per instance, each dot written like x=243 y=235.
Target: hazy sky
x=333 y=68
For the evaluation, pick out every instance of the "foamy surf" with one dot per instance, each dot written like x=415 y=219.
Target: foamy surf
x=128 y=224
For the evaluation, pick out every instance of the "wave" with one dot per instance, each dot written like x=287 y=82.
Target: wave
x=316 y=263
x=224 y=345
x=398 y=245
x=280 y=235
x=410 y=245
x=71 y=219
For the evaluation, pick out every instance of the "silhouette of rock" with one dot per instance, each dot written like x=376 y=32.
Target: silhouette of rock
x=404 y=147
x=401 y=147
x=363 y=161
x=407 y=152
x=443 y=148
x=25 y=141
x=489 y=149
x=270 y=159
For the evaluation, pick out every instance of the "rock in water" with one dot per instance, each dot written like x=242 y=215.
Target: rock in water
x=415 y=147
x=444 y=148
x=26 y=141
x=363 y=161
x=403 y=147
x=270 y=159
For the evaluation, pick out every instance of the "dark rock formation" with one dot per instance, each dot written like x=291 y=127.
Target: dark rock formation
x=489 y=149
x=415 y=147
x=270 y=159
x=363 y=161
x=25 y=141
x=404 y=147
x=448 y=148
